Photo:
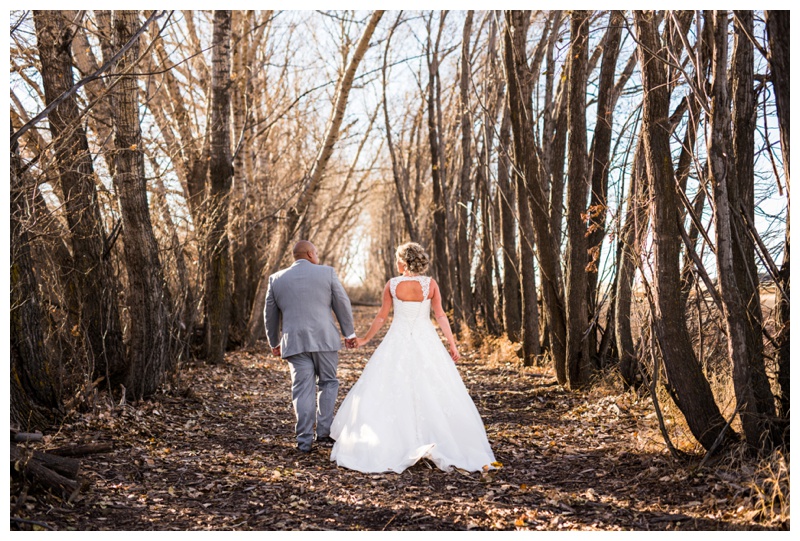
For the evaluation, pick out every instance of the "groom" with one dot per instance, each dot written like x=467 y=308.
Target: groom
x=300 y=329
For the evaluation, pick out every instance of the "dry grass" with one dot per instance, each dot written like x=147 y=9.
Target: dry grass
x=770 y=487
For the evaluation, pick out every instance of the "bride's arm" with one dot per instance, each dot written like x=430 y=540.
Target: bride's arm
x=380 y=318
x=441 y=319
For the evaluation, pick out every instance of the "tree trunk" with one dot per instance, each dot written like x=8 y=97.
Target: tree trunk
x=220 y=174
x=240 y=302
x=465 y=204
x=486 y=269
x=577 y=310
x=755 y=402
x=34 y=399
x=531 y=347
x=778 y=55
x=440 y=261
x=98 y=287
x=149 y=342
x=86 y=62
x=690 y=388
x=401 y=183
x=632 y=239
x=512 y=315
x=600 y=159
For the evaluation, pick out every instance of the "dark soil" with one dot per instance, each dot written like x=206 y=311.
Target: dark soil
x=217 y=452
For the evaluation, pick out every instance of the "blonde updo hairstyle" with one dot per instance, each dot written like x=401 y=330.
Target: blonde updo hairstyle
x=413 y=256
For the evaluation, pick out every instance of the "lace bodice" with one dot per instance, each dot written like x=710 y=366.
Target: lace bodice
x=410 y=316
x=424 y=282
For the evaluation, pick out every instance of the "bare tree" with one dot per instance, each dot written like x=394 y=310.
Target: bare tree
x=465 y=311
x=149 y=342
x=440 y=260
x=577 y=309
x=512 y=312
x=690 y=388
x=755 y=402
x=399 y=173
x=519 y=92
x=217 y=298
x=99 y=310
x=34 y=400
x=778 y=55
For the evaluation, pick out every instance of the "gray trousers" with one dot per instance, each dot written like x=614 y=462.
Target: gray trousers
x=309 y=370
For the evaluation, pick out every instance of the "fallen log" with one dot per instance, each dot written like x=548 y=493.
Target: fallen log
x=23 y=437
x=68 y=467
x=34 y=470
x=81 y=450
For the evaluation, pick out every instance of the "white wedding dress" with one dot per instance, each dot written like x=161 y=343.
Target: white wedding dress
x=409 y=402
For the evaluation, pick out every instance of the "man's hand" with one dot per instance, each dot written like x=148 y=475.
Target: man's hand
x=276 y=351
x=350 y=343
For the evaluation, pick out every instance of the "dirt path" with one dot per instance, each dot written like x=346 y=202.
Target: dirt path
x=218 y=453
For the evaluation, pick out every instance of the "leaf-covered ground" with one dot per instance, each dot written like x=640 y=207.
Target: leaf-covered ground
x=218 y=453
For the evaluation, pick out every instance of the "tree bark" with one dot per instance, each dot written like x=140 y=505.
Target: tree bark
x=440 y=261
x=755 y=402
x=778 y=56
x=240 y=189
x=217 y=299
x=520 y=99
x=149 y=342
x=98 y=287
x=512 y=314
x=600 y=160
x=577 y=309
x=631 y=238
x=34 y=399
x=690 y=388
x=465 y=204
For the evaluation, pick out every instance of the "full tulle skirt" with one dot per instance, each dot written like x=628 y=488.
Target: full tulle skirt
x=409 y=403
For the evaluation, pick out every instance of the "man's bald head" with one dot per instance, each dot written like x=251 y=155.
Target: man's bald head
x=303 y=249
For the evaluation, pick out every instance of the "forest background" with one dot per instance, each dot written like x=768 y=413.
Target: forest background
x=605 y=191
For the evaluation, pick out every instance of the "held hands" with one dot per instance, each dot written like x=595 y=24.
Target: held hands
x=351 y=343
x=454 y=352
x=276 y=351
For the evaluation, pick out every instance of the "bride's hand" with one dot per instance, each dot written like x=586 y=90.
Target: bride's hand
x=361 y=342
x=454 y=353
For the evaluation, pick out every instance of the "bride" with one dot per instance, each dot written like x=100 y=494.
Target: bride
x=410 y=402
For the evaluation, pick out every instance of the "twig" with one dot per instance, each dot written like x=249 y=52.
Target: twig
x=112 y=239
x=96 y=75
x=33 y=522
x=651 y=387
x=762 y=251
x=390 y=521
x=698 y=263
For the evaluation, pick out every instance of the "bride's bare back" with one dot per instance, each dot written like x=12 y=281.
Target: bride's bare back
x=410 y=291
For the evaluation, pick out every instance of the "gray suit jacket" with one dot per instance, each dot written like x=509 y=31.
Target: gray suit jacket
x=297 y=313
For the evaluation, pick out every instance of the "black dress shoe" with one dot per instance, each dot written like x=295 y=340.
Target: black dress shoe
x=326 y=441
x=303 y=449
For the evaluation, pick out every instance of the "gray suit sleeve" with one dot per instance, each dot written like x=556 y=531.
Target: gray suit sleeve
x=341 y=306
x=272 y=317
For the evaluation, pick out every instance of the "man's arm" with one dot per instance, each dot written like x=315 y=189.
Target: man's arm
x=272 y=319
x=341 y=307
